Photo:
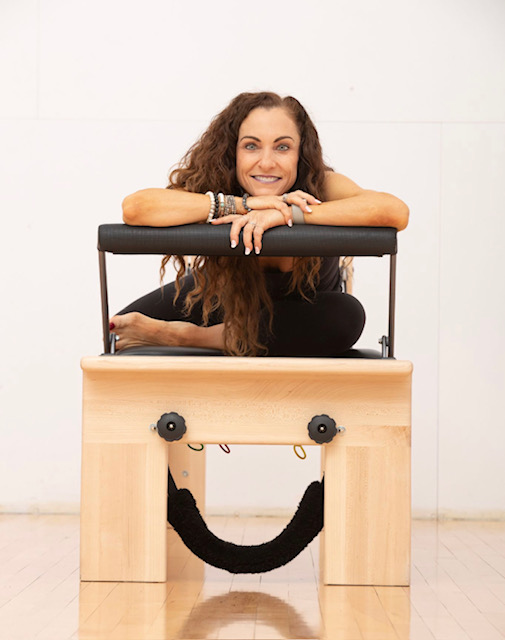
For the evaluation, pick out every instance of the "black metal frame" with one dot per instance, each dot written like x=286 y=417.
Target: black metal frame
x=207 y=240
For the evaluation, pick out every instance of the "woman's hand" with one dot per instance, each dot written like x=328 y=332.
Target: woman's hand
x=281 y=203
x=135 y=330
x=266 y=212
x=253 y=225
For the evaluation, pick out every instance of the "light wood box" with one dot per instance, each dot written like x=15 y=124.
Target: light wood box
x=366 y=535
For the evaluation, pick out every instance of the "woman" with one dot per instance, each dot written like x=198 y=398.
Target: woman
x=259 y=165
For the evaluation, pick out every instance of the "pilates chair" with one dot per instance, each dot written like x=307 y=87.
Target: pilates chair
x=129 y=442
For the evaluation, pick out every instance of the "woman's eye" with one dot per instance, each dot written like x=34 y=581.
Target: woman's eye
x=283 y=147
x=250 y=146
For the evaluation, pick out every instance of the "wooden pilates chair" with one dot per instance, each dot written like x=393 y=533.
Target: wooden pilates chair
x=365 y=464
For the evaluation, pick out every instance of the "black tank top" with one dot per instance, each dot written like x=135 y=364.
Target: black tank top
x=329 y=275
x=329 y=279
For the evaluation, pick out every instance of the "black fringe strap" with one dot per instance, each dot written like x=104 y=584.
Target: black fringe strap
x=184 y=516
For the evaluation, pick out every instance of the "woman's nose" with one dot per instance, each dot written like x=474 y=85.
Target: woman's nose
x=267 y=159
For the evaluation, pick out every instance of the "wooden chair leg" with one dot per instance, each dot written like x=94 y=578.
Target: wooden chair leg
x=123 y=494
x=366 y=536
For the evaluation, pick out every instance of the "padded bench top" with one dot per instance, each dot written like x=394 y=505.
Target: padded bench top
x=193 y=351
x=209 y=240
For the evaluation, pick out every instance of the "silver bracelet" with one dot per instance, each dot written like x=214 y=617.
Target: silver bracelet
x=210 y=217
x=297 y=214
x=230 y=206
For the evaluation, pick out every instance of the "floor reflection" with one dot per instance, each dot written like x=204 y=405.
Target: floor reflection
x=457 y=591
x=157 y=612
x=243 y=608
x=196 y=610
x=200 y=602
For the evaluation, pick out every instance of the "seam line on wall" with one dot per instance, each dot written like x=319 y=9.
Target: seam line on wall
x=37 y=67
x=439 y=296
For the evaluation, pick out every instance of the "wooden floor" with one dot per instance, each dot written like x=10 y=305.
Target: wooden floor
x=457 y=592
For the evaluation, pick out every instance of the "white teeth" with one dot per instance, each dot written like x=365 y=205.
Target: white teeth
x=266 y=178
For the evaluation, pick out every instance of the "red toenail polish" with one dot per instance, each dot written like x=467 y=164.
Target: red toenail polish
x=111 y=326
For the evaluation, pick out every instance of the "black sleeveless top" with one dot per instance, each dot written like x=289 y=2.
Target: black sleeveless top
x=329 y=279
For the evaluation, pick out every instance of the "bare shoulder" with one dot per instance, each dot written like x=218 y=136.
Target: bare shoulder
x=337 y=186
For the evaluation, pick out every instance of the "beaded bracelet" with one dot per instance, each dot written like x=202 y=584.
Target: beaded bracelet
x=212 y=211
x=230 y=205
x=244 y=202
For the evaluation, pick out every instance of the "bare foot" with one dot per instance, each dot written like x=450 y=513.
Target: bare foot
x=135 y=330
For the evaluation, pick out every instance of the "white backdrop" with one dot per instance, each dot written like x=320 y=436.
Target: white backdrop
x=100 y=98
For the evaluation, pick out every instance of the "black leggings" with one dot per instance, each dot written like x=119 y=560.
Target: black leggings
x=326 y=326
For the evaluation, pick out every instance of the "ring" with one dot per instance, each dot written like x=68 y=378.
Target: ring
x=285 y=198
x=252 y=223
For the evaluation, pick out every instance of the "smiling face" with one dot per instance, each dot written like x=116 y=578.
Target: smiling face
x=267 y=152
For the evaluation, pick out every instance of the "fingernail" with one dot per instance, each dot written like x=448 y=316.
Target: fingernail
x=247 y=251
x=257 y=250
x=290 y=223
x=233 y=244
x=111 y=326
x=308 y=209
x=318 y=201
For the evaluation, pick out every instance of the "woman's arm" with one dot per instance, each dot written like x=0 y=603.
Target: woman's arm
x=172 y=207
x=349 y=205
x=346 y=204
x=165 y=207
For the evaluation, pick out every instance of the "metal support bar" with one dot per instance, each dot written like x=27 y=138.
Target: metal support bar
x=384 y=342
x=392 y=302
x=105 y=302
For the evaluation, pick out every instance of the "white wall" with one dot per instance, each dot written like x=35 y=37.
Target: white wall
x=101 y=98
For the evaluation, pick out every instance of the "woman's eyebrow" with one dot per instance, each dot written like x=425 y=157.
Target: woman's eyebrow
x=258 y=140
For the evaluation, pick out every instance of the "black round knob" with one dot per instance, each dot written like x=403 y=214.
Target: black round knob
x=322 y=428
x=171 y=426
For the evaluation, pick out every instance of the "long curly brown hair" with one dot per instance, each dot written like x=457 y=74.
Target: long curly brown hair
x=233 y=286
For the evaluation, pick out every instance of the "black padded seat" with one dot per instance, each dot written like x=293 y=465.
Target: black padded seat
x=194 y=351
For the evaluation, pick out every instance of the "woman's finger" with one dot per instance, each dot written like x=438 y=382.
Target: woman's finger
x=237 y=225
x=284 y=208
x=235 y=220
x=263 y=203
x=306 y=196
x=302 y=203
x=246 y=225
x=247 y=233
x=226 y=219
x=258 y=232
x=286 y=212
x=301 y=199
